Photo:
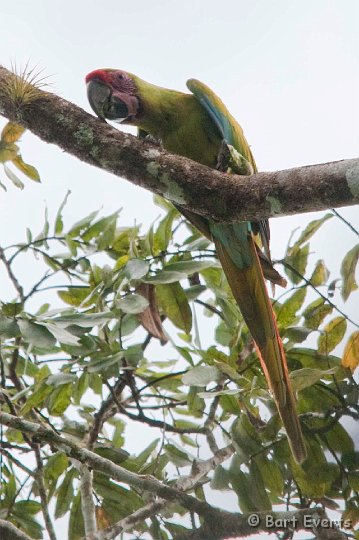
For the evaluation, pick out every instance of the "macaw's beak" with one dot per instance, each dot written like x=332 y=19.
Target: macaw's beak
x=109 y=104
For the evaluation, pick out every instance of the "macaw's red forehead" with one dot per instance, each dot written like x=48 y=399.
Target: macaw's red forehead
x=104 y=75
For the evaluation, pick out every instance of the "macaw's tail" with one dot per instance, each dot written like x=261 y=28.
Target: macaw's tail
x=250 y=292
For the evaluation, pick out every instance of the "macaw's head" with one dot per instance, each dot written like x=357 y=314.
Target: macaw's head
x=113 y=95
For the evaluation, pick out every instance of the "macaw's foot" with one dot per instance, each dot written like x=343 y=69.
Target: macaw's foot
x=142 y=134
x=231 y=161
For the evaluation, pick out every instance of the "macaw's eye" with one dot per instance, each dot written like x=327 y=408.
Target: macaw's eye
x=121 y=76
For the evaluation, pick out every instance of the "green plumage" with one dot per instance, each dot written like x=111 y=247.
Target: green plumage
x=195 y=126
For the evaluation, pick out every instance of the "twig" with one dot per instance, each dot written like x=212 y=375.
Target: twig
x=308 y=282
x=347 y=223
x=151 y=421
x=16 y=462
x=106 y=410
x=39 y=475
x=210 y=308
x=7 y=264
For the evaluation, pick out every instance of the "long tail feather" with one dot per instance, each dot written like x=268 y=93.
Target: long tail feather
x=250 y=292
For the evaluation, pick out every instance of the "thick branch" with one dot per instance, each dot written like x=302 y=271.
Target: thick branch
x=313 y=520
x=87 y=504
x=218 y=524
x=195 y=187
x=8 y=531
x=198 y=472
x=98 y=463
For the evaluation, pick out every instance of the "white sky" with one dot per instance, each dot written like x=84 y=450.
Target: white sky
x=287 y=70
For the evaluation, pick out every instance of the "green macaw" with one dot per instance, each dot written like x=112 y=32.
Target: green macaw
x=199 y=126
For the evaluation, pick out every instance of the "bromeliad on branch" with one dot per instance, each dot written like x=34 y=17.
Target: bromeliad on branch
x=199 y=126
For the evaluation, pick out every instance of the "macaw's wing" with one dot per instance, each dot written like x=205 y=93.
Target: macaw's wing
x=241 y=263
x=233 y=134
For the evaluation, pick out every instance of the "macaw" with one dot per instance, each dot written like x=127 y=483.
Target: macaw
x=199 y=126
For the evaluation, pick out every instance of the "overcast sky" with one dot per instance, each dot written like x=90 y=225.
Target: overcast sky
x=287 y=70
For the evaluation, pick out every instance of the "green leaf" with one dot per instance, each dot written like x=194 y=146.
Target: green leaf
x=59 y=399
x=318 y=399
x=245 y=438
x=37 y=397
x=310 y=229
x=8 y=327
x=347 y=271
x=165 y=276
x=60 y=378
x=85 y=320
x=76 y=524
x=320 y=274
x=173 y=301
x=28 y=507
x=76 y=296
x=302 y=378
x=29 y=170
x=220 y=478
x=11 y=309
x=223 y=334
x=351 y=352
x=177 y=456
x=107 y=236
x=143 y=457
x=306 y=357
x=133 y=303
x=201 y=376
x=286 y=314
x=56 y=465
x=136 y=269
x=80 y=387
x=339 y=439
x=297 y=259
x=36 y=334
x=249 y=488
x=12 y=176
x=102 y=363
x=129 y=323
x=194 y=291
x=62 y=335
x=65 y=494
x=59 y=224
x=82 y=224
x=331 y=335
x=163 y=234
x=271 y=474
x=102 y=226
x=190 y=267
x=316 y=312
x=297 y=334
x=133 y=355
x=116 y=455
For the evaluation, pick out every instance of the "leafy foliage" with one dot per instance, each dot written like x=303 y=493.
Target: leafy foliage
x=126 y=315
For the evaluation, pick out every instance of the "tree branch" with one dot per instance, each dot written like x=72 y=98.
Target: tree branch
x=309 y=519
x=213 y=194
x=87 y=504
x=142 y=482
x=8 y=531
x=39 y=477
